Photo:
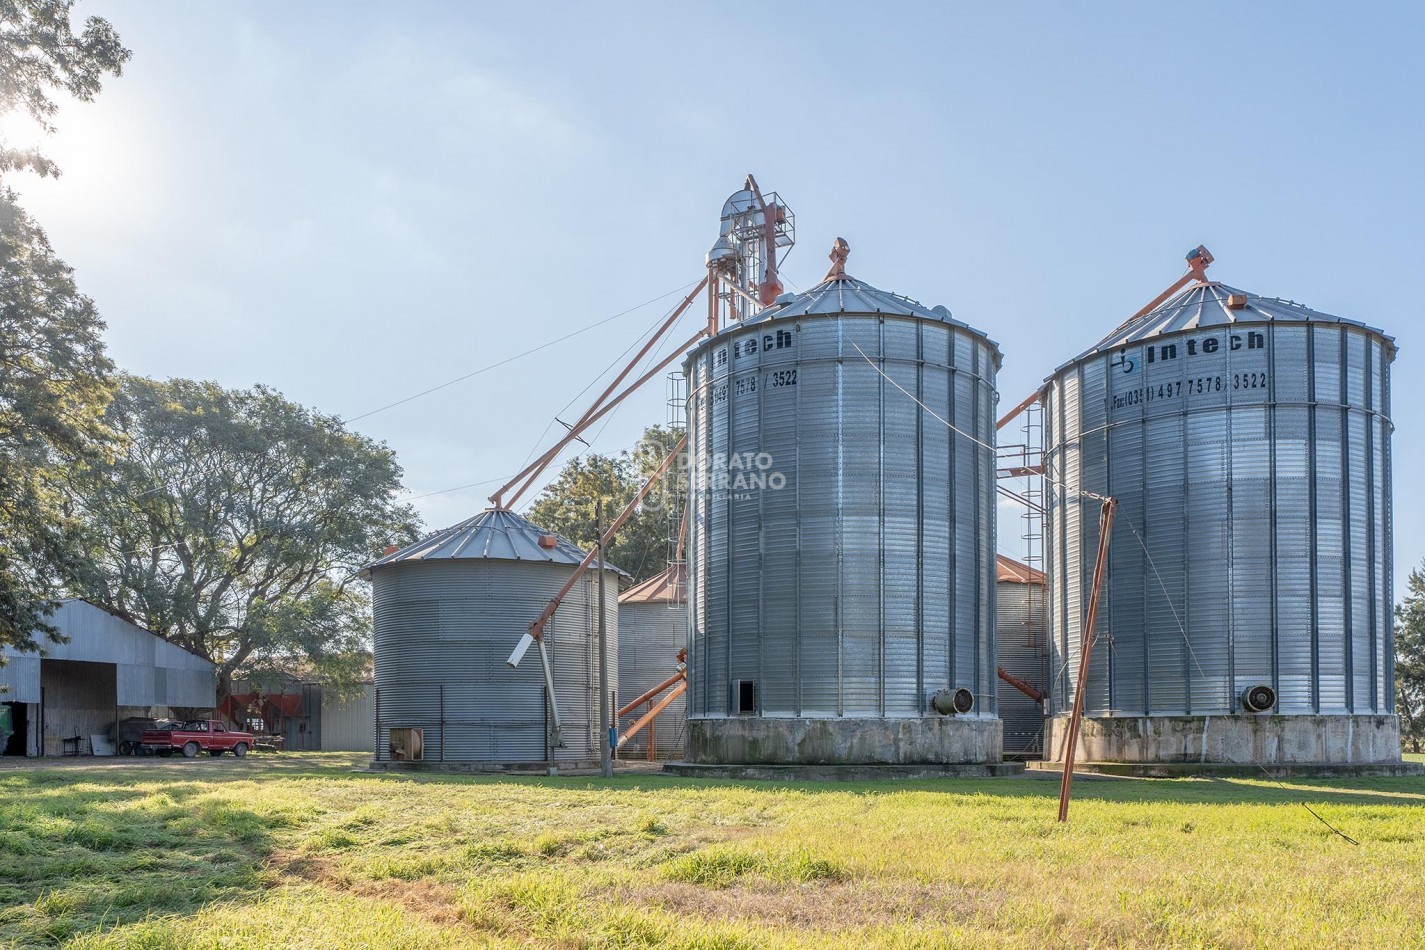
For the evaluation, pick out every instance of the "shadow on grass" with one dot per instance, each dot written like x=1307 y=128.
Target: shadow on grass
x=83 y=850
x=1404 y=791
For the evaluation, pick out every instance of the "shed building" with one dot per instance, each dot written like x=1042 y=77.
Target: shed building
x=652 y=629
x=108 y=670
x=1248 y=596
x=1023 y=654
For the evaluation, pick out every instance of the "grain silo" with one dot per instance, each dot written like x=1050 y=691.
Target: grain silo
x=1247 y=612
x=841 y=537
x=447 y=609
x=1023 y=654
x=652 y=631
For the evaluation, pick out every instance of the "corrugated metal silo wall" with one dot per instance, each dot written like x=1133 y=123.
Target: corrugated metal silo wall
x=1253 y=537
x=649 y=638
x=443 y=630
x=866 y=580
x=1023 y=653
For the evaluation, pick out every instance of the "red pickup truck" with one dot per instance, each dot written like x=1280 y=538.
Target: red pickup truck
x=205 y=735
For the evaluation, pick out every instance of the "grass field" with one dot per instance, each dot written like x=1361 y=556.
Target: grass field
x=305 y=851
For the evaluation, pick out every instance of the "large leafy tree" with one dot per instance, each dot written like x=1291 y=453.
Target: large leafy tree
x=233 y=522
x=1410 y=662
x=53 y=372
x=568 y=504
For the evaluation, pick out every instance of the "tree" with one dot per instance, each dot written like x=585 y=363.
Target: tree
x=642 y=546
x=233 y=522
x=53 y=389
x=39 y=54
x=1410 y=661
x=53 y=372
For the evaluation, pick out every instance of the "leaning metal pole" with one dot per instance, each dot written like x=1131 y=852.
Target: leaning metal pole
x=606 y=764
x=1105 y=528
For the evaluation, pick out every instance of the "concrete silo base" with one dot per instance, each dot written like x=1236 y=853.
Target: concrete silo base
x=1282 y=741
x=756 y=740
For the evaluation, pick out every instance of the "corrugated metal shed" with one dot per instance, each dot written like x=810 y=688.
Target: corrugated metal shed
x=1206 y=305
x=652 y=628
x=150 y=670
x=494 y=534
x=1020 y=617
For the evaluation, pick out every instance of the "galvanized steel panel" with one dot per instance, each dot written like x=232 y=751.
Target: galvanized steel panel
x=443 y=629
x=650 y=636
x=864 y=579
x=1249 y=452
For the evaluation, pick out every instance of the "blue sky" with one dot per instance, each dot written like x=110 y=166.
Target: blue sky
x=354 y=201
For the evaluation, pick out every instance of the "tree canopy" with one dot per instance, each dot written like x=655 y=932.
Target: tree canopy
x=53 y=388
x=40 y=55
x=53 y=371
x=232 y=522
x=642 y=547
x=1410 y=661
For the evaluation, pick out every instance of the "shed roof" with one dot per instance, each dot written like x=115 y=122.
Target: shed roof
x=1007 y=569
x=150 y=671
x=669 y=587
x=494 y=534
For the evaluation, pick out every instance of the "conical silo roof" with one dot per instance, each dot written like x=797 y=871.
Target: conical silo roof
x=494 y=534
x=1208 y=305
x=846 y=294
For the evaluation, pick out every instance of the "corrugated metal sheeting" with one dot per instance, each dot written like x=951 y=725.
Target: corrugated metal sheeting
x=1023 y=653
x=652 y=628
x=841 y=539
x=348 y=724
x=447 y=616
x=149 y=670
x=1247 y=441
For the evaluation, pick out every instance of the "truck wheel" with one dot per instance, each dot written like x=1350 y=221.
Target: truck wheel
x=190 y=750
x=240 y=749
x=215 y=752
x=126 y=748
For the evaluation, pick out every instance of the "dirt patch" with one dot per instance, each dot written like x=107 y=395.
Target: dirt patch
x=838 y=905
x=428 y=899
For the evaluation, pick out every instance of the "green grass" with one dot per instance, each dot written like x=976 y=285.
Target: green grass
x=302 y=851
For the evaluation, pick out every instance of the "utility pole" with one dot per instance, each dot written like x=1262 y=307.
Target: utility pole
x=606 y=761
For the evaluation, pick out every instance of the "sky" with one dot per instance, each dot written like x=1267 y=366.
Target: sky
x=354 y=202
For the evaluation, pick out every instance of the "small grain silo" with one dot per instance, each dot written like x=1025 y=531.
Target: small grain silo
x=447 y=609
x=1247 y=612
x=1023 y=651
x=652 y=631
x=842 y=538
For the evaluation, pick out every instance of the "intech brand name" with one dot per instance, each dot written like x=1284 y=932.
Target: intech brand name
x=1192 y=346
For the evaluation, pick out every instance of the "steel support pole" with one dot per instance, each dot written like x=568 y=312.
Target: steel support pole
x=606 y=763
x=1105 y=528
